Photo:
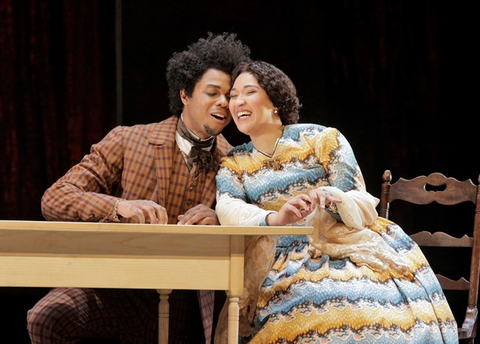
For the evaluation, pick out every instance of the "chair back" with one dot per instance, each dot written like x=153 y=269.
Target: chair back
x=447 y=191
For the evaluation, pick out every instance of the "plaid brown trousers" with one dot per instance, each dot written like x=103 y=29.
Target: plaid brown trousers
x=138 y=162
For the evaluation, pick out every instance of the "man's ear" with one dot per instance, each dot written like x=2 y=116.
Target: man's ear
x=184 y=97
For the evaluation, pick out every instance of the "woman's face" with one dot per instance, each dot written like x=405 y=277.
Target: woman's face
x=250 y=106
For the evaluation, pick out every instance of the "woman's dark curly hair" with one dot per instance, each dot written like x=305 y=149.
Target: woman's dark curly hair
x=185 y=69
x=278 y=86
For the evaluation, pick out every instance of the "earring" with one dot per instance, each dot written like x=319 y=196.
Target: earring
x=275 y=111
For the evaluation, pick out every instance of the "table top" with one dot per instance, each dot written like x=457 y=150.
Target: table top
x=103 y=227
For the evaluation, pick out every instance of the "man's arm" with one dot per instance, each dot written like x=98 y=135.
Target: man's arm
x=85 y=192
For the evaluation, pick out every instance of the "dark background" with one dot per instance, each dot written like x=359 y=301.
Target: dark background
x=398 y=78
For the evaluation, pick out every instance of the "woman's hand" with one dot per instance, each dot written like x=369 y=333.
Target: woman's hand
x=295 y=209
x=322 y=198
x=300 y=206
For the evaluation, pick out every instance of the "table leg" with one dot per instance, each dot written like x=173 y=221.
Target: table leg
x=233 y=317
x=163 y=315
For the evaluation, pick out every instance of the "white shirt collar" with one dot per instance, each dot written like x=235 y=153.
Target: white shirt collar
x=185 y=145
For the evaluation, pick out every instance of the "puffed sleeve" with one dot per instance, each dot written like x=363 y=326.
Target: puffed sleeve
x=231 y=206
x=336 y=155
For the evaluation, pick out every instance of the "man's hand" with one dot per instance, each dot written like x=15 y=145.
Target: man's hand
x=143 y=211
x=199 y=215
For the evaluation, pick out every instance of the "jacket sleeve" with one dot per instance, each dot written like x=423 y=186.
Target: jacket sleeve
x=85 y=192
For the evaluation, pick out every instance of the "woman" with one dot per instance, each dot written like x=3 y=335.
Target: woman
x=359 y=277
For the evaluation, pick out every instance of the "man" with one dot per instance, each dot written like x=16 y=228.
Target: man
x=155 y=173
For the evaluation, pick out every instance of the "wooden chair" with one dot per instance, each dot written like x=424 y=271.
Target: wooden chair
x=436 y=188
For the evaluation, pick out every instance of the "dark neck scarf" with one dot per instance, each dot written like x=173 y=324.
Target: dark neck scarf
x=199 y=159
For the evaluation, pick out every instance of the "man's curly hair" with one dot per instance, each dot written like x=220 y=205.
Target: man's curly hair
x=184 y=69
x=278 y=86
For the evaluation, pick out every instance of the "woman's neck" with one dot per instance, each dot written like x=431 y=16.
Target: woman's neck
x=266 y=141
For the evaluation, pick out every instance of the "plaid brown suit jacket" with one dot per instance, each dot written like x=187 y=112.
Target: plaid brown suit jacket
x=138 y=162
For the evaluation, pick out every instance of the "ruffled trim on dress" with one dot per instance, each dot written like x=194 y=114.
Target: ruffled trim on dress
x=352 y=238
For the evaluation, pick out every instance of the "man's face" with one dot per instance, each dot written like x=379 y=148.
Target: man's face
x=206 y=112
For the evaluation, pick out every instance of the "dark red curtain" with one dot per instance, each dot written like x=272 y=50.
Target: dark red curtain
x=394 y=76
x=397 y=77
x=57 y=93
x=399 y=74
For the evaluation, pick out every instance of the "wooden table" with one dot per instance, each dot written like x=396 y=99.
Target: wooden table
x=130 y=256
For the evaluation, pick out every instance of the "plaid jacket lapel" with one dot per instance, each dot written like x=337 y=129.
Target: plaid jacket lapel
x=163 y=137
